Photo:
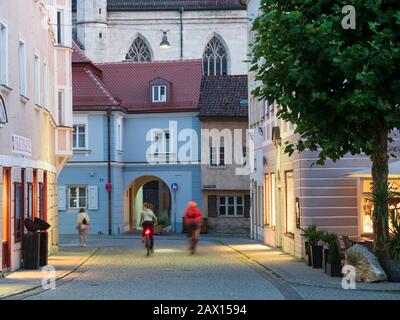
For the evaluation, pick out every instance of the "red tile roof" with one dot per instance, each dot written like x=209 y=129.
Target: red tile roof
x=130 y=82
x=126 y=85
x=89 y=92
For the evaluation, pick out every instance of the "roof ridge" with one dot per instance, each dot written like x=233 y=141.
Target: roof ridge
x=101 y=86
x=147 y=62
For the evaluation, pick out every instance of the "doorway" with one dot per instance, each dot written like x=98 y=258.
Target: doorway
x=6 y=218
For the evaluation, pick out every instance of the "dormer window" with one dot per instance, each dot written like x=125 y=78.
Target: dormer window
x=159 y=93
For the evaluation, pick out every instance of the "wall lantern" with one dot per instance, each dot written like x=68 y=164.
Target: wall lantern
x=164 y=42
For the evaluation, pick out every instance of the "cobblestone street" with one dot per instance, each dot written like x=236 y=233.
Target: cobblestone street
x=120 y=270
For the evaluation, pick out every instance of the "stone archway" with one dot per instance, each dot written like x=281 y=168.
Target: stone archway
x=151 y=189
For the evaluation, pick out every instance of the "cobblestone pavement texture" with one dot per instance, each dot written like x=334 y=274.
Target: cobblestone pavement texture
x=223 y=268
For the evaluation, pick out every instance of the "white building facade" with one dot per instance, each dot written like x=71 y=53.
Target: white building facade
x=35 y=117
x=109 y=31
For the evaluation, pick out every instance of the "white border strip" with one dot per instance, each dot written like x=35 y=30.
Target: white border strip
x=10 y=161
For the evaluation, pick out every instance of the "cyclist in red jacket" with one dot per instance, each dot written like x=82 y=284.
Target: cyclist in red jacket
x=193 y=221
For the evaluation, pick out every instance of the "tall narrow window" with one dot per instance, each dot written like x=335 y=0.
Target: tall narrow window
x=215 y=58
x=59 y=27
x=79 y=137
x=61 y=107
x=37 y=80
x=3 y=54
x=290 y=203
x=19 y=210
x=22 y=69
x=139 y=51
x=45 y=85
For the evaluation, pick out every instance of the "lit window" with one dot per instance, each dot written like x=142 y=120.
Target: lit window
x=79 y=137
x=3 y=54
x=160 y=93
x=290 y=203
x=77 y=197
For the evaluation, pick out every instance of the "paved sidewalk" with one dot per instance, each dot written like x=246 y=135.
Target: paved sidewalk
x=68 y=259
x=294 y=270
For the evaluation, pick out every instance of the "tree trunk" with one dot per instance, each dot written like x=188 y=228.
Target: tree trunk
x=380 y=170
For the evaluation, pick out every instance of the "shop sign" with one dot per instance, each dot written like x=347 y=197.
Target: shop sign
x=21 y=145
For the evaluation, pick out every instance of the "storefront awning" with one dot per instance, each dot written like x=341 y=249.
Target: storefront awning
x=394 y=172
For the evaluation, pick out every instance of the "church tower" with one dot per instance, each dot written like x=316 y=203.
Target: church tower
x=91 y=25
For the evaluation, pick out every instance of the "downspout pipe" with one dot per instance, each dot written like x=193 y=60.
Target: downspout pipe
x=181 y=9
x=109 y=170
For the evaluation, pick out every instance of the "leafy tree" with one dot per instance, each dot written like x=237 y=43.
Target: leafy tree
x=340 y=87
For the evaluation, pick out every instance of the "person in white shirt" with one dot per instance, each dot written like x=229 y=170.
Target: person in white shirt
x=148 y=219
x=82 y=225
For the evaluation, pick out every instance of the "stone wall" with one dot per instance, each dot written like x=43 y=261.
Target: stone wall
x=229 y=225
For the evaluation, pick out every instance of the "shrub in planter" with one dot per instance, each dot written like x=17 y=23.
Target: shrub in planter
x=327 y=238
x=308 y=253
x=313 y=236
x=391 y=265
x=334 y=263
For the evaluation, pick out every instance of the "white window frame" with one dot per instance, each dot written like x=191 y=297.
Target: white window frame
x=77 y=147
x=37 y=78
x=77 y=187
x=218 y=157
x=163 y=147
x=226 y=205
x=60 y=27
x=3 y=53
x=119 y=134
x=161 y=97
x=60 y=107
x=22 y=68
x=290 y=204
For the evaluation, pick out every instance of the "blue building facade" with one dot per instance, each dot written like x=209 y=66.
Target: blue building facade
x=128 y=149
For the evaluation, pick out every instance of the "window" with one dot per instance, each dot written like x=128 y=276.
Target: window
x=159 y=93
x=215 y=58
x=45 y=85
x=19 y=209
x=273 y=204
x=139 y=51
x=29 y=212
x=77 y=197
x=3 y=113
x=3 y=54
x=22 y=68
x=41 y=201
x=163 y=141
x=230 y=206
x=60 y=107
x=37 y=79
x=244 y=155
x=119 y=137
x=79 y=137
x=217 y=156
x=290 y=203
x=60 y=22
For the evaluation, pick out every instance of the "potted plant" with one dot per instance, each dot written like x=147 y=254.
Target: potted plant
x=308 y=253
x=334 y=262
x=327 y=238
x=163 y=222
x=391 y=264
x=313 y=236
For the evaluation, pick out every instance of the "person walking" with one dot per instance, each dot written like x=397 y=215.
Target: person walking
x=82 y=225
x=193 y=221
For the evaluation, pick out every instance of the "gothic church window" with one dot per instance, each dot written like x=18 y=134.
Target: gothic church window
x=215 y=58
x=139 y=51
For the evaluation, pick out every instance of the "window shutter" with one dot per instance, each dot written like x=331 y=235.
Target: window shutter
x=93 y=198
x=212 y=206
x=247 y=206
x=62 y=198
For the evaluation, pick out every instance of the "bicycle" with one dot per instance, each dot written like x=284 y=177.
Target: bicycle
x=147 y=241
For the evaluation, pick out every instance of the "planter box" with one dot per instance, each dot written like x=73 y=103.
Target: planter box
x=334 y=270
x=316 y=256
x=392 y=269
x=325 y=258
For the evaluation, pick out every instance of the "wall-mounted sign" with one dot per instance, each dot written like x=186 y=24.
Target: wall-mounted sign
x=174 y=186
x=21 y=145
x=108 y=187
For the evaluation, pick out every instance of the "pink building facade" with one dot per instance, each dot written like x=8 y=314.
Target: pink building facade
x=35 y=117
